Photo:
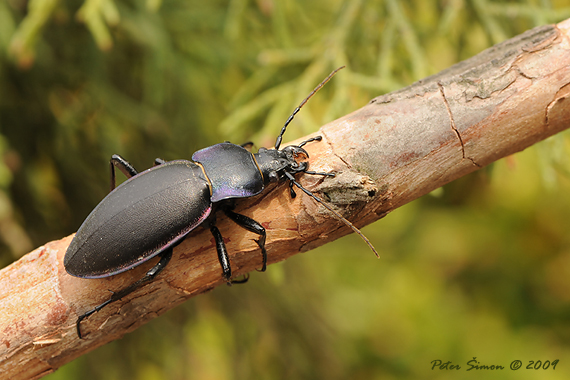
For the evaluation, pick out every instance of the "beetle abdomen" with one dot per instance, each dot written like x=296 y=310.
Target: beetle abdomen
x=139 y=219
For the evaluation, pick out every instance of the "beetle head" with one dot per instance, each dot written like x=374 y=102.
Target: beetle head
x=274 y=163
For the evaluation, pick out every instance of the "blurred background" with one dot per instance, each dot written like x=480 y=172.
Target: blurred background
x=479 y=268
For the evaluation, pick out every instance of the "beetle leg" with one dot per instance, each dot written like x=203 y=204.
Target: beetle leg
x=222 y=254
x=159 y=161
x=247 y=145
x=124 y=166
x=151 y=274
x=293 y=194
x=224 y=258
x=253 y=226
x=242 y=280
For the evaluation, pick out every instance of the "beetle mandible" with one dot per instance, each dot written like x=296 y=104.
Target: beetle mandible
x=178 y=196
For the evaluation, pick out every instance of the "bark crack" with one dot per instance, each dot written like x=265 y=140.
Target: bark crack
x=562 y=94
x=326 y=139
x=452 y=124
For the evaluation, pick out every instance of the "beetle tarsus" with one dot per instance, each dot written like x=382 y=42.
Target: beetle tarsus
x=165 y=257
x=241 y=280
x=247 y=145
x=252 y=226
x=291 y=190
x=261 y=244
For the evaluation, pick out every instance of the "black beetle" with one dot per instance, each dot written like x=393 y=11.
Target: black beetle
x=151 y=212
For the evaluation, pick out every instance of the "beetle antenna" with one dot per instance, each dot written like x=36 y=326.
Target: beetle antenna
x=336 y=214
x=290 y=118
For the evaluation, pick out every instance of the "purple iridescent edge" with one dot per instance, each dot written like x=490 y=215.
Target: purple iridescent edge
x=221 y=192
x=142 y=259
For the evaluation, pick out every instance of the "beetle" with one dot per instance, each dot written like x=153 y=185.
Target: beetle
x=152 y=211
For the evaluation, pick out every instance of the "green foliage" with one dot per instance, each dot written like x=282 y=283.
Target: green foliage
x=479 y=268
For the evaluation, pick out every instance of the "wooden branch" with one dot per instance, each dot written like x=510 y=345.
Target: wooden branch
x=395 y=149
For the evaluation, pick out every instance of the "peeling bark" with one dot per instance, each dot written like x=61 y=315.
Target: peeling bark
x=395 y=149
